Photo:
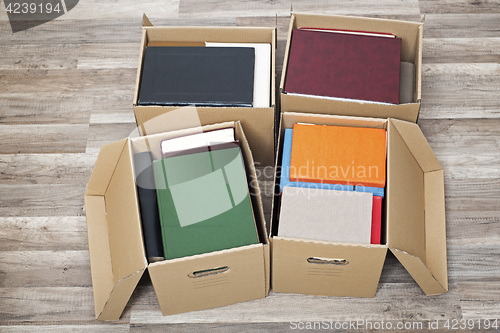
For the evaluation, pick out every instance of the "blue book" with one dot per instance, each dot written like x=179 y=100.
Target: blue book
x=377 y=191
x=285 y=170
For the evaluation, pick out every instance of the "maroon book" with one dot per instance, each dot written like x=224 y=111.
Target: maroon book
x=344 y=66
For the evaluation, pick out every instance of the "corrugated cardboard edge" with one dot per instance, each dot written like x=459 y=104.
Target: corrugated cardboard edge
x=110 y=298
x=431 y=275
x=267 y=259
x=145 y=21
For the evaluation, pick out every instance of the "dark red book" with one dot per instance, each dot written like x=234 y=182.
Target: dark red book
x=376 y=220
x=346 y=66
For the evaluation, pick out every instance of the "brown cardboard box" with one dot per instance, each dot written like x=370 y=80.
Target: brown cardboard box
x=414 y=226
x=258 y=122
x=411 y=51
x=117 y=255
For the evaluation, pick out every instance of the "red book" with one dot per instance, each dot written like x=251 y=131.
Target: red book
x=346 y=66
x=376 y=220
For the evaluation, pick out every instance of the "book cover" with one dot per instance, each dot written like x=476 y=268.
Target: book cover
x=376 y=220
x=338 y=155
x=201 y=76
x=262 y=71
x=148 y=206
x=204 y=203
x=378 y=191
x=346 y=66
x=202 y=139
x=285 y=169
x=325 y=215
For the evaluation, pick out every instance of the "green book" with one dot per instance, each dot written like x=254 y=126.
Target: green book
x=204 y=203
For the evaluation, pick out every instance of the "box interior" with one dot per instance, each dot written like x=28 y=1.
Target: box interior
x=209 y=34
x=409 y=32
x=414 y=218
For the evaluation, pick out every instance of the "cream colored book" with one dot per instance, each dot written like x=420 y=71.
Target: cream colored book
x=325 y=215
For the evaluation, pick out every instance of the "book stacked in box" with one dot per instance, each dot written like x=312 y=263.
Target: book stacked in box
x=206 y=74
x=348 y=66
x=202 y=199
x=334 y=178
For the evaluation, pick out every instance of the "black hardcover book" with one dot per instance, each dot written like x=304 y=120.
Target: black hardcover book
x=201 y=76
x=148 y=205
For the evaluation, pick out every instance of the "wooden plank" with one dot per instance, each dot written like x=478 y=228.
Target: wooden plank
x=117 y=30
x=114 y=55
x=460 y=6
x=51 y=56
x=282 y=7
x=394 y=301
x=101 y=134
x=87 y=327
x=56 y=233
x=41 y=200
x=468 y=25
x=84 y=327
x=461 y=50
x=25 y=107
x=62 y=168
x=49 y=306
x=95 y=9
x=45 y=269
x=480 y=300
x=461 y=90
x=58 y=138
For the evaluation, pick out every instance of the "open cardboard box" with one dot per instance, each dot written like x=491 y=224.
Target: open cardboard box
x=411 y=51
x=258 y=122
x=413 y=226
x=117 y=254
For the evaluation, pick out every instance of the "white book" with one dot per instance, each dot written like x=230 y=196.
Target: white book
x=262 y=71
x=204 y=139
x=325 y=215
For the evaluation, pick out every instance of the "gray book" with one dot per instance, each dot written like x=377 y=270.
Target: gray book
x=325 y=215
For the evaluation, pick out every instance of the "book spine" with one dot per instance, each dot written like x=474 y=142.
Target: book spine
x=148 y=205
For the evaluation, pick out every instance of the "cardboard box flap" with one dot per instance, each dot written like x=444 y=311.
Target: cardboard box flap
x=104 y=167
x=420 y=273
x=415 y=206
x=117 y=254
x=145 y=21
x=110 y=295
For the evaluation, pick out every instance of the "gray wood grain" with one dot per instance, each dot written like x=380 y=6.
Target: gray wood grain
x=66 y=88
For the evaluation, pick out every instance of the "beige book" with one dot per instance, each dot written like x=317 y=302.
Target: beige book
x=325 y=215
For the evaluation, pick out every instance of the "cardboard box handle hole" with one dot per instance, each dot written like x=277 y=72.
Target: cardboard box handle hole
x=327 y=261
x=207 y=272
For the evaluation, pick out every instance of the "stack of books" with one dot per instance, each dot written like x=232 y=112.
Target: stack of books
x=210 y=74
x=333 y=177
x=202 y=197
x=348 y=65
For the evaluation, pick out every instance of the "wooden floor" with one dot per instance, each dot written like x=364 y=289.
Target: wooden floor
x=66 y=88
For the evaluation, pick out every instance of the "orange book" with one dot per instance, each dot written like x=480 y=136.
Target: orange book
x=338 y=155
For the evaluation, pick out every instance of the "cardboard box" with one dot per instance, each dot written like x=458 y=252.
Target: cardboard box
x=258 y=122
x=413 y=225
x=117 y=255
x=411 y=51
